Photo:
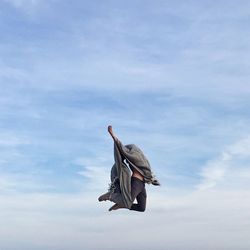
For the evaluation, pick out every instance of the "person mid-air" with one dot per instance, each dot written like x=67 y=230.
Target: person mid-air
x=128 y=177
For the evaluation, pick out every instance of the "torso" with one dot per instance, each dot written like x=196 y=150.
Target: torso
x=137 y=175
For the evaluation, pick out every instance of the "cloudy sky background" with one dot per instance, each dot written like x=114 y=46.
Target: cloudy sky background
x=170 y=76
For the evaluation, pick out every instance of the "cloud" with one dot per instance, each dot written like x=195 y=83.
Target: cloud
x=172 y=51
x=13 y=72
x=22 y=182
x=24 y=3
x=182 y=221
x=230 y=161
x=8 y=139
x=96 y=171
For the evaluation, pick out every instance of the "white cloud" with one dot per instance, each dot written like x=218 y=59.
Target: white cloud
x=96 y=171
x=22 y=182
x=182 y=221
x=11 y=153
x=230 y=161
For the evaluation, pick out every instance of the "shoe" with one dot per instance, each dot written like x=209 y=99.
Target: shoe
x=104 y=197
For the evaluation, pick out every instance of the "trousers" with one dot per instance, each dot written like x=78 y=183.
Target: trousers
x=138 y=192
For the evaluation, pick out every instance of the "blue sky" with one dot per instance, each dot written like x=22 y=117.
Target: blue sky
x=170 y=76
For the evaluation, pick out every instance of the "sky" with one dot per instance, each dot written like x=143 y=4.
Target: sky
x=171 y=77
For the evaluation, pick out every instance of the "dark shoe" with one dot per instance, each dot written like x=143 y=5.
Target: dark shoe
x=104 y=197
x=116 y=206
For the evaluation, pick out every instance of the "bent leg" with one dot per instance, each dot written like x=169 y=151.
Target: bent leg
x=141 y=202
x=138 y=191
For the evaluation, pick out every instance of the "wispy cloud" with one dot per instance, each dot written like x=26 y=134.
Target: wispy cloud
x=96 y=171
x=9 y=140
x=25 y=4
x=229 y=161
x=18 y=183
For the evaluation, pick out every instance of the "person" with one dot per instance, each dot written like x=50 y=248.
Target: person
x=128 y=177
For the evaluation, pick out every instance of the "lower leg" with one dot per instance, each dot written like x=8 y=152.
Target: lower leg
x=138 y=207
x=141 y=202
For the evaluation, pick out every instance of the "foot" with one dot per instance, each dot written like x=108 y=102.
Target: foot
x=104 y=197
x=116 y=206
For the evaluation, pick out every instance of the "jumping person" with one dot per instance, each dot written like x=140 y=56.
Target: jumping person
x=128 y=177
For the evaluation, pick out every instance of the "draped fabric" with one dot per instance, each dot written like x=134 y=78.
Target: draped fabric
x=126 y=158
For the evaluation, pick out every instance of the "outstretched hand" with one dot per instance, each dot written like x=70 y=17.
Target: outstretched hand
x=110 y=130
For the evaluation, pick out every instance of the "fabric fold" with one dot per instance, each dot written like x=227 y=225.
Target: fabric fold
x=128 y=157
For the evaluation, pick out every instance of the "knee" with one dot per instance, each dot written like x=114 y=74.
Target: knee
x=142 y=209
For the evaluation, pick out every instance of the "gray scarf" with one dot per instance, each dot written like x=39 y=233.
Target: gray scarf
x=121 y=173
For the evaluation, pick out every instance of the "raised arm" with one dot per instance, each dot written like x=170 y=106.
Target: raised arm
x=110 y=130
